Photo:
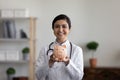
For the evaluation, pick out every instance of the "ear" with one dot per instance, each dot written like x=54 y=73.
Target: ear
x=64 y=46
x=56 y=46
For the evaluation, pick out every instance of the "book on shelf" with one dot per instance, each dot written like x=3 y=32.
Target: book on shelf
x=1 y=30
x=12 y=55
x=2 y=56
x=7 y=29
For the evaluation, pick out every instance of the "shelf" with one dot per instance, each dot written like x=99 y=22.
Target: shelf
x=17 y=40
x=20 y=61
x=17 y=18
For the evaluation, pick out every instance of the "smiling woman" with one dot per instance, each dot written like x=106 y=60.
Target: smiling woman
x=61 y=30
x=58 y=63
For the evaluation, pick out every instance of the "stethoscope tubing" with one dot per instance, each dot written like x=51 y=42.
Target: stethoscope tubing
x=50 y=48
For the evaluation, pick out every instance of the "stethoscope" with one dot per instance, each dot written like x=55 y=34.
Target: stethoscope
x=50 y=49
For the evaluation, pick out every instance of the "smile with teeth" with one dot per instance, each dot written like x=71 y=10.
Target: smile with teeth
x=60 y=33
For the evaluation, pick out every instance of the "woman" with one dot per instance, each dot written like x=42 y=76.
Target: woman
x=48 y=67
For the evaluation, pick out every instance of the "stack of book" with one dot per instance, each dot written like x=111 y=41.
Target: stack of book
x=14 y=13
x=9 y=55
x=7 y=29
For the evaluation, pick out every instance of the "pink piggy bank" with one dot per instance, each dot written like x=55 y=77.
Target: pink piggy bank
x=59 y=52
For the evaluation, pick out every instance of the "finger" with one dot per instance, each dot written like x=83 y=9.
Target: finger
x=66 y=58
x=56 y=59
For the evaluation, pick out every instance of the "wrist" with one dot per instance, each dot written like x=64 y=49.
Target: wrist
x=66 y=62
x=51 y=61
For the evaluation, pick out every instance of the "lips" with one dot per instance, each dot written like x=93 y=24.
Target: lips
x=60 y=33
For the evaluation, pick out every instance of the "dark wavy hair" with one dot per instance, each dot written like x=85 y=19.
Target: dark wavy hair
x=62 y=17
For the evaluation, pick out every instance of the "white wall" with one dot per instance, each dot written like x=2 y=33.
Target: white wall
x=102 y=19
x=91 y=20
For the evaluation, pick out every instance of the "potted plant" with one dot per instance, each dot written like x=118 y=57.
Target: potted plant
x=25 y=52
x=10 y=73
x=92 y=46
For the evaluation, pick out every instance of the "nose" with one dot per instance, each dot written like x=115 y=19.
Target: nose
x=60 y=28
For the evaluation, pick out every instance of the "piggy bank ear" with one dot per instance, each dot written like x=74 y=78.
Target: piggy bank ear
x=64 y=46
x=56 y=46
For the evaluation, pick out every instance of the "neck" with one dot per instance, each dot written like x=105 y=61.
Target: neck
x=61 y=41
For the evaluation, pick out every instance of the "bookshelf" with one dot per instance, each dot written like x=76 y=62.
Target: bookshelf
x=29 y=25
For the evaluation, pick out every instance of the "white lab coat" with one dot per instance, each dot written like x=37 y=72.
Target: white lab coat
x=73 y=71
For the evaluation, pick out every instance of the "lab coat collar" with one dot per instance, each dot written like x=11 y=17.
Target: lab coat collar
x=64 y=43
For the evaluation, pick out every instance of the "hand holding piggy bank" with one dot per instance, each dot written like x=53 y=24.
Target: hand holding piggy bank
x=60 y=53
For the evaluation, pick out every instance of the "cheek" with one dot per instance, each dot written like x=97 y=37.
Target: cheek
x=54 y=31
x=67 y=31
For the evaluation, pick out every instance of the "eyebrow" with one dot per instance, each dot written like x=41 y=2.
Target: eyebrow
x=59 y=24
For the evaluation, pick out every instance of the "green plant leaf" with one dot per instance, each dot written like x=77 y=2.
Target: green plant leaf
x=93 y=45
x=25 y=50
x=10 y=70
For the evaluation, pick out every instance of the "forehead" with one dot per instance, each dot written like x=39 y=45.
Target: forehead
x=61 y=22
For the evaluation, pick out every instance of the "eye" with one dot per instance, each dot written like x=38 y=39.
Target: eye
x=64 y=26
x=56 y=26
